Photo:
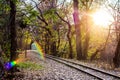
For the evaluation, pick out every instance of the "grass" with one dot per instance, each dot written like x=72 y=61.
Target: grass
x=29 y=65
x=25 y=63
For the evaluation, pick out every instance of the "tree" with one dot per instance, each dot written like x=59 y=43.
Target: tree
x=68 y=36
x=114 y=10
x=4 y=29
x=13 y=53
x=86 y=26
x=77 y=29
x=116 y=58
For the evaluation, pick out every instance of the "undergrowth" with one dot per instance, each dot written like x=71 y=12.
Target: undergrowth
x=29 y=65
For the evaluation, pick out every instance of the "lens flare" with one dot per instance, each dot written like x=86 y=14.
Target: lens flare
x=9 y=65
x=40 y=50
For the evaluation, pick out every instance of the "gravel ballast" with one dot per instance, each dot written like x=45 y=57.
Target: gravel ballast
x=51 y=70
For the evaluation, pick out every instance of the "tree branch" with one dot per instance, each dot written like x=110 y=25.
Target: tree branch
x=41 y=17
x=61 y=18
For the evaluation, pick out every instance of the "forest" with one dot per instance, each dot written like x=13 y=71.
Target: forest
x=84 y=30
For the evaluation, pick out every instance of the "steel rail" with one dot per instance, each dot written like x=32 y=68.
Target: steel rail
x=88 y=67
x=74 y=67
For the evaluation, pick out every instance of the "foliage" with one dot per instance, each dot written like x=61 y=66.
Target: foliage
x=53 y=35
x=4 y=31
x=29 y=65
x=27 y=14
x=50 y=14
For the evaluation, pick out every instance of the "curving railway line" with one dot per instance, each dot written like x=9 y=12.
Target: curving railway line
x=99 y=74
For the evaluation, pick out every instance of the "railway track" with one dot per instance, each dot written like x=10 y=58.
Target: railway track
x=99 y=74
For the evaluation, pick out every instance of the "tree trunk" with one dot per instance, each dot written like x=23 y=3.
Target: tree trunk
x=59 y=40
x=116 y=59
x=68 y=36
x=77 y=30
x=21 y=41
x=70 y=42
x=26 y=46
x=13 y=42
x=47 y=44
x=46 y=51
x=87 y=31
x=86 y=44
x=53 y=48
x=87 y=36
x=13 y=54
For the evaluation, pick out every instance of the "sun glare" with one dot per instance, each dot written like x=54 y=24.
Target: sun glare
x=102 y=18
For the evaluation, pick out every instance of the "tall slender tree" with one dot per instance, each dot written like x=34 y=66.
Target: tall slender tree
x=116 y=59
x=77 y=29
x=12 y=26
x=87 y=4
x=68 y=36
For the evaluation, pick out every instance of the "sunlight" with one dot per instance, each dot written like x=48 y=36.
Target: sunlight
x=102 y=18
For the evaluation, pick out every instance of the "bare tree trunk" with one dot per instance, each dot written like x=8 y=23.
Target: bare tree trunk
x=116 y=59
x=26 y=46
x=47 y=44
x=87 y=4
x=13 y=54
x=70 y=42
x=87 y=36
x=46 y=51
x=86 y=45
x=53 y=48
x=13 y=41
x=59 y=40
x=94 y=55
x=21 y=41
x=77 y=30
